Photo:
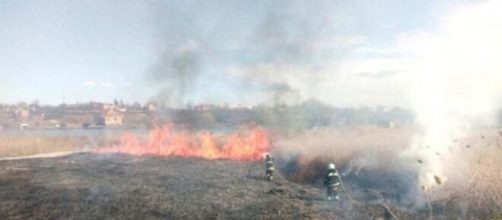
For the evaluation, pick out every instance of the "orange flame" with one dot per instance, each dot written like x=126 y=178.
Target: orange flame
x=164 y=142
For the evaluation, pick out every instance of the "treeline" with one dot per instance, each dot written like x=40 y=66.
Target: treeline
x=309 y=114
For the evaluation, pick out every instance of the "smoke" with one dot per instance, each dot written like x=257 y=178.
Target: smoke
x=181 y=50
x=282 y=54
x=284 y=36
x=455 y=83
x=285 y=41
x=284 y=94
x=282 y=44
x=452 y=75
x=176 y=71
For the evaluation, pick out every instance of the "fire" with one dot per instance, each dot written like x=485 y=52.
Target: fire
x=164 y=141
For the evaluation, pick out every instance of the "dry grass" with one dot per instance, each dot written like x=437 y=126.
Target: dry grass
x=475 y=171
x=342 y=145
x=473 y=165
x=14 y=146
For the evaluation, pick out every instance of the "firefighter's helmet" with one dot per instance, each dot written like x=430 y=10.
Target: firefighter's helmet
x=331 y=166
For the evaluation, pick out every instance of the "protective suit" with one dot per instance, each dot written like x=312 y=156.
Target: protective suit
x=269 y=167
x=332 y=182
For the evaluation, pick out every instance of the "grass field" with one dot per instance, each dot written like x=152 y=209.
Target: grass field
x=368 y=157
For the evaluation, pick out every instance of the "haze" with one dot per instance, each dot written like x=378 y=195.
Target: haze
x=239 y=52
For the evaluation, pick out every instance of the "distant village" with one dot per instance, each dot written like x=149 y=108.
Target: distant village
x=117 y=114
x=97 y=115
x=89 y=115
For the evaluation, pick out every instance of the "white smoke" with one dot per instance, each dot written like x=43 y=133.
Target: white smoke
x=456 y=81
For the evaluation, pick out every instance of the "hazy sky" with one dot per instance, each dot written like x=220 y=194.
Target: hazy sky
x=347 y=53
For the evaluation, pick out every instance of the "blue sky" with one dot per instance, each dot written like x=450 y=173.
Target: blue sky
x=80 y=51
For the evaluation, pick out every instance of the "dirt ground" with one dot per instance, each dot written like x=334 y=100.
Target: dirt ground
x=98 y=186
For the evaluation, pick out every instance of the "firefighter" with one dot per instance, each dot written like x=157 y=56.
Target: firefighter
x=332 y=182
x=269 y=167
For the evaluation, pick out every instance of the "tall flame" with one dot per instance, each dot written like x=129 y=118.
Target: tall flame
x=164 y=141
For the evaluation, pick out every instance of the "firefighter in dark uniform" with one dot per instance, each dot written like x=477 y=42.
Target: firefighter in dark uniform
x=269 y=167
x=332 y=182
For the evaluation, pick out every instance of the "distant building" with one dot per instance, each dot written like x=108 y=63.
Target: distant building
x=114 y=119
x=113 y=115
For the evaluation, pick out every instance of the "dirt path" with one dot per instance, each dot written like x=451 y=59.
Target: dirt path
x=44 y=155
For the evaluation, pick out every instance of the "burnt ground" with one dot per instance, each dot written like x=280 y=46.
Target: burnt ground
x=90 y=186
